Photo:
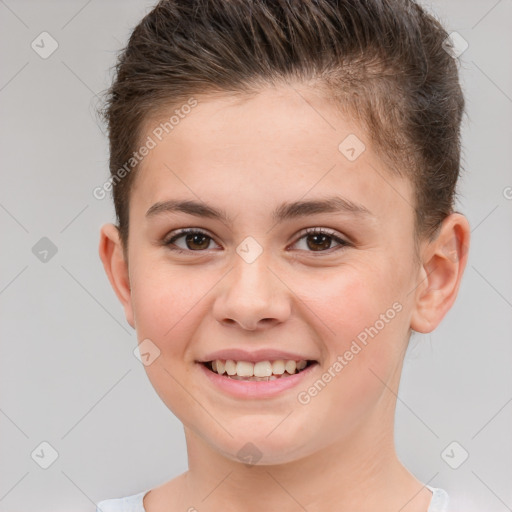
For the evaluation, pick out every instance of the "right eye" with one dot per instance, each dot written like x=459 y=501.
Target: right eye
x=194 y=240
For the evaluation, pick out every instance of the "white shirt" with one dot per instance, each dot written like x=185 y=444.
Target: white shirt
x=439 y=502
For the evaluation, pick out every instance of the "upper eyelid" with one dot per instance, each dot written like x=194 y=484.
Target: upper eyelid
x=186 y=231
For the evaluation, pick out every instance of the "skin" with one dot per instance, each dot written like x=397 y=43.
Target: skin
x=247 y=155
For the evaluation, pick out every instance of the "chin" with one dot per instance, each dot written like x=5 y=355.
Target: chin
x=260 y=448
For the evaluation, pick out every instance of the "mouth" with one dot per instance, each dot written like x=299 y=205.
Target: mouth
x=259 y=371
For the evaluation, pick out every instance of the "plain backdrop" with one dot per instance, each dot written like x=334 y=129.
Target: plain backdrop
x=69 y=377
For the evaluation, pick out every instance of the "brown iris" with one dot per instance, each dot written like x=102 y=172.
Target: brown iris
x=200 y=239
x=321 y=242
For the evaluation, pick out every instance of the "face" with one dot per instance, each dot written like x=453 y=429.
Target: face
x=329 y=285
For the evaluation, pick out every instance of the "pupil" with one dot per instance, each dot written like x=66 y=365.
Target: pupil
x=325 y=241
x=193 y=238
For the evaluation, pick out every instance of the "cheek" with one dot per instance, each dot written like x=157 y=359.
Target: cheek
x=362 y=326
x=349 y=298
x=360 y=317
x=165 y=302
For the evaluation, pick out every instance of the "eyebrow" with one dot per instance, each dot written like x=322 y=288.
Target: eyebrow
x=285 y=211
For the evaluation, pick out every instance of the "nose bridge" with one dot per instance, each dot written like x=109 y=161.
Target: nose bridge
x=252 y=279
x=252 y=296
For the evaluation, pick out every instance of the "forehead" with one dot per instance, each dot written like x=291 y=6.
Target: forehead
x=283 y=143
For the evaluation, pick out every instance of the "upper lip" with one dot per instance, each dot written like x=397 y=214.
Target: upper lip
x=254 y=356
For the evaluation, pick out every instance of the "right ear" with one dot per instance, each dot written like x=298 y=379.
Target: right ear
x=116 y=268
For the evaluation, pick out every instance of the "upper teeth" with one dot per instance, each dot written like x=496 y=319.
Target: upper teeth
x=259 y=369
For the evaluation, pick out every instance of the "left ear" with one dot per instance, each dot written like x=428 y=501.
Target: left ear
x=444 y=260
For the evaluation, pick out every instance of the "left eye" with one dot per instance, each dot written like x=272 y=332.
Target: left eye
x=319 y=240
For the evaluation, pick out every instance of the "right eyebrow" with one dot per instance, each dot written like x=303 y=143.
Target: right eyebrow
x=195 y=208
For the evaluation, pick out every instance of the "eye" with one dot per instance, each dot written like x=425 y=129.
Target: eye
x=194 y=240
x=320 y=240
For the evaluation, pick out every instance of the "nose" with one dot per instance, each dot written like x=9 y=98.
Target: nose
x=252 y=297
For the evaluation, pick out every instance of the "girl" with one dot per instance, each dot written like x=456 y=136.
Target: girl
x=283 y=175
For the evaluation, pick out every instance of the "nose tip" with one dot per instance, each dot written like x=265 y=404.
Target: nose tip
x=252 y=298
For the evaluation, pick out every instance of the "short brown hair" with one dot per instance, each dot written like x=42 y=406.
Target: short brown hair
x=383 y=61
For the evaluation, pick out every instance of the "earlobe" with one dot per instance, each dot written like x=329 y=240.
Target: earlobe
x=444 y=261
x=111 y=254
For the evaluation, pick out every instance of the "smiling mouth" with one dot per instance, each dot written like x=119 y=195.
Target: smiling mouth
x=260 y=371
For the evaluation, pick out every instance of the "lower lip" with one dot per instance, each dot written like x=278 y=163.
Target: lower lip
x=256 y=389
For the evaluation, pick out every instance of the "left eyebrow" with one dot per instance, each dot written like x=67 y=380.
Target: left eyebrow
x=333 y=204
x=285 y=211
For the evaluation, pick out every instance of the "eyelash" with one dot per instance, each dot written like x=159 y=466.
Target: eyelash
x=308 y=232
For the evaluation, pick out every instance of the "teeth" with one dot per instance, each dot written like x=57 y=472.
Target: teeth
x=272 y=377
x=230 y=367
x=261 y=369
x=244 y=369
x=290 y=366
x=278 y=367
x=301 y=365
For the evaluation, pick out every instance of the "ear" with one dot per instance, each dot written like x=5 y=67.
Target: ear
x=116 y=268
x=443 y=263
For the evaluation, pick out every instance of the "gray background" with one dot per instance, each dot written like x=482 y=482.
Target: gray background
x=68 y=373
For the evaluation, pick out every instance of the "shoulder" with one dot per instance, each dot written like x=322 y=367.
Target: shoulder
x=440 y=500
x=132 y=503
